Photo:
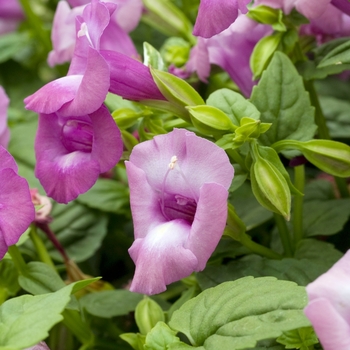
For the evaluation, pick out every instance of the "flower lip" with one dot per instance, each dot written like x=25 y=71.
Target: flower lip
x=77 y=135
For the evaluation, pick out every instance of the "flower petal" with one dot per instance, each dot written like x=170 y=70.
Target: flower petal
x=209 y=222
x=17 y=210
x=161 y=258
x=332 y=330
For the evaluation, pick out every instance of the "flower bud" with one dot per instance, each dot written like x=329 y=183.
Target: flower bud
x=147 y=314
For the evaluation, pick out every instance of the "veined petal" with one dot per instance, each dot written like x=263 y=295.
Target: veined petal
x=144 y=202
x=161 y=258
x=312 y=8
x=199 y=161
x=63 y=174
x=214 y=16
x=130 y=78
x=332 y=330
x=6 y=160
x=93 y=88
x=107 y=147
x=209 y=222
x=342 y=5
x=64 y=89
x=16 y=208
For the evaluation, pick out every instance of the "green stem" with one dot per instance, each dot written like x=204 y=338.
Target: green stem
x=18 y=260
x=40 y=247
x=258 y=248
x=299 y=183
x=320 y=120
x=236 y=157
x=37 y=24
x=284 y=234
x=323 y=132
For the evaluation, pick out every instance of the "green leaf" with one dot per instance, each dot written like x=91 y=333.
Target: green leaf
x=262 y=53
x=301 y=271
x=302 y=338
x=325 y=217
x=236 y=315
x=79 y=229
x=339 y=55
x=110 y=303
x=147 y=314
x=233 y=104
x=282 y=100
x=152 y=58
x=175 y=51
x=336 y=112
x=135 y=340
x=8 y=279
x=176 y=90
x=186 y=296
x=11 y=44
x=106 y=195
x=160 y=337
x=26 y=320
x=248 y=208
x=40 y=278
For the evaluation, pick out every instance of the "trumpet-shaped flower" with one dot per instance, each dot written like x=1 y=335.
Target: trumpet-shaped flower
x=72 y=151
x=178 y=195
x=329 y=306
x=16 y=207
x=214 y=16
x=4 y=130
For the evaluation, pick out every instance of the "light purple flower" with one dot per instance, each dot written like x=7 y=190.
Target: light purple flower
x=122 y=17
x=72 y=151
x=329 y=306
x=214 y=16
x=16 y=207
x=10 y=15
x=231 y=50
x=178 y=195
x=4 y=130
x=40 y=346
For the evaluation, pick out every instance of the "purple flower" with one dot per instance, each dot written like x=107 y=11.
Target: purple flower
x=4 y=130
x=214 y=16
x=10 y=15
x=112 y=35
x=329 y=306
x=40 y=346
x=231 y=50
x=16 y=207
x=72 y=151
x=178 y=196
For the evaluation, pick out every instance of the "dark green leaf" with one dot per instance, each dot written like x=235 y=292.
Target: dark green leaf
x=282 y=100
x=233 y=104
x=110 y=303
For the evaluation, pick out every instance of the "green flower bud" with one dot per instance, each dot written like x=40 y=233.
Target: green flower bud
x=267 y=15
x=210 y=120
x=176 y=51
x=152 y=58
x=135 y=340
x=176 y=90
x=147 y=314
x=126 y=117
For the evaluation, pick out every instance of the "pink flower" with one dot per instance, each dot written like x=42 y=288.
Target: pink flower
x=16 y=207
x=10 y=15
x=4 y=130
x=214 y=16
x=40 y=346
x=329 y=306
x=178 y=195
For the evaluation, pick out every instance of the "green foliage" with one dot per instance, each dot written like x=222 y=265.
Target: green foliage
x=267 y=15
x=175 y=51
x=301 y=338
x=147 y=314
x=106 y=195
x=12 y=44
x=8 y=279
x=160 y=337
x=282 y=100
x=176 y=90
x=233 y=104
x=79 y=229
x=235 y=315
x=26 y=320
x=152 y=58
x=110 y=303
